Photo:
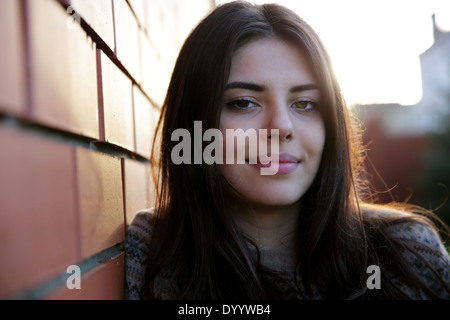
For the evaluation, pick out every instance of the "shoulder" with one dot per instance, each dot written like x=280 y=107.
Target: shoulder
x=142 y=224
x=140 y=230
x=404 y=224
x=421 y=244
x=136 y=245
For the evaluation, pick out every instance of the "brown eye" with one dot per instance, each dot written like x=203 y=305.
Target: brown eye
x=240 y=104
x=305 y=105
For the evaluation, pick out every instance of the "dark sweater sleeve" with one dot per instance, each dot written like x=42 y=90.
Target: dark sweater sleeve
x=427 y=243
x=136 y=253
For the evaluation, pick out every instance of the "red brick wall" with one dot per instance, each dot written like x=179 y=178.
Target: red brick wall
x=78 y=105
x=394 y=163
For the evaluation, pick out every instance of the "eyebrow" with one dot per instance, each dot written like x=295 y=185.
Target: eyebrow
x=260 y=87
x=305 y=87
x=245 y=85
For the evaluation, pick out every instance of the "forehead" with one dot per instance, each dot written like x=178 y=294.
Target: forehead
x=271 y=60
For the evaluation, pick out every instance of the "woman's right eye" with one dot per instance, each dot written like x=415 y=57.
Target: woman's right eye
x=241 y=104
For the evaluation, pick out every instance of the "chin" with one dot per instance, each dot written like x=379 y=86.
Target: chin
x=273 y=199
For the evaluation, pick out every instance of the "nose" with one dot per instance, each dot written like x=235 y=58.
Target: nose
x=279 y=118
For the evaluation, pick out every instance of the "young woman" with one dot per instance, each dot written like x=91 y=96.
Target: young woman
x=224 y=230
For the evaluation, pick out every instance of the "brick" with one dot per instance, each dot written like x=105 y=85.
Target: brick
x=99 y=16
x=127 y=38
x=117 y=102
x=145 y=120
x=38 y=222
x=12 y=59
x=162 y=22
x=63 y=70
x=167 y=24
x=158 y=57
x=116 y=273
x=104 y=282
x=139 y=8
x=137 y=188
x=154 y=78
x=93 y=287
x=100 y=201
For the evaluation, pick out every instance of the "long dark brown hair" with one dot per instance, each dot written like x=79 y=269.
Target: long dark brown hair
x=197 y=245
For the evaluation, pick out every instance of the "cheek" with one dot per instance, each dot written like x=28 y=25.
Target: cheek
x=235 y=179
x=312 y=137
x=235 y=145
x=228 y=171
x=223 y=125
x=319 y=142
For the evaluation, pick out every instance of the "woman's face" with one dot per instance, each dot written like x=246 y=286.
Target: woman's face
x=271 y=86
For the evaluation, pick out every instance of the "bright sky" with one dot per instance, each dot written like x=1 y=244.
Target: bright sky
x=374 y=45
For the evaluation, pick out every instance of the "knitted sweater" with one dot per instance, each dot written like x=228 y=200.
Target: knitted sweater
x=426 y=240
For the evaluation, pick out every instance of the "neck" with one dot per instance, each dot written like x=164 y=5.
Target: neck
x=269 y=227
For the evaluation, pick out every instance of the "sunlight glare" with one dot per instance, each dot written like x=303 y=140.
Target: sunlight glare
x=375 y=45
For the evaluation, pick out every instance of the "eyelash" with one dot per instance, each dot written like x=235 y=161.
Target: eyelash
x=313 y=104
x=233 y=104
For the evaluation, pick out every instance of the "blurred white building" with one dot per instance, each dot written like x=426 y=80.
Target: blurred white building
x=435 y=63
x=432 y=113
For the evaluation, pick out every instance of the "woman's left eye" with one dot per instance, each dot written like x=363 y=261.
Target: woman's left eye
x=305 y=105
x=241 y=104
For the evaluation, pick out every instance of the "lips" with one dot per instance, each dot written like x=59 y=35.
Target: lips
x=286 y=162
